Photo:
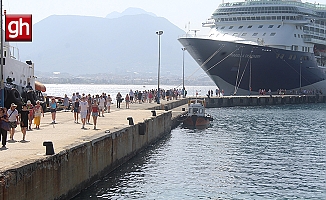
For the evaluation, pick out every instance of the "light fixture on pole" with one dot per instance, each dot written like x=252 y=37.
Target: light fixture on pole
x=159 y=33
x=183 y=72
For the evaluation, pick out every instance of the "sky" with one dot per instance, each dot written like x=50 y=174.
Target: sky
x=180 y=12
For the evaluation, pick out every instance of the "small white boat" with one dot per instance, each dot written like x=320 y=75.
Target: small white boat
x=196 y=116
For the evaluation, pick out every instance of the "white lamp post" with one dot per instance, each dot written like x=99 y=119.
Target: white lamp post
x=159 y=33
x=183 y=71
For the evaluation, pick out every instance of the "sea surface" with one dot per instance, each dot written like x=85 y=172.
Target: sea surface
x=59 y=90
x=270 y=152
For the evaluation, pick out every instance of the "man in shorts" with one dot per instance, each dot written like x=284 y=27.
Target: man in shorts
x=83 y=105
x=101 y=104
x=13 y=119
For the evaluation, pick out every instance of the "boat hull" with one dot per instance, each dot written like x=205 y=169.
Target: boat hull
x=244 y=68
x=196 y=122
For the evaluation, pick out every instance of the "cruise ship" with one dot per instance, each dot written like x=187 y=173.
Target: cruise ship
x=263 y=45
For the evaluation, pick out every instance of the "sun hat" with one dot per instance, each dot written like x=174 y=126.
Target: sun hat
x=13 y=105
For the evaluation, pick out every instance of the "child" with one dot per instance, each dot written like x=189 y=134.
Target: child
x=24 y=120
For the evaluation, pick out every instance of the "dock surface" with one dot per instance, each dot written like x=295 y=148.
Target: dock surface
x=65 y=133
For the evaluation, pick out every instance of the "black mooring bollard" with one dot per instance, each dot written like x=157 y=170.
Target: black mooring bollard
x=48 y=147
x=166 y=108
x=153 y=113
x=131 y=121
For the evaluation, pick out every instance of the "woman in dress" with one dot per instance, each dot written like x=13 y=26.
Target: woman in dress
x=38 y=111
x=127 y=99
x=95 y=112
x=66 y=102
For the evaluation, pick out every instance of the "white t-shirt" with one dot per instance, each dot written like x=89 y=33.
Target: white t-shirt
x=13 y=116
x=83 y=106
x=101 y=103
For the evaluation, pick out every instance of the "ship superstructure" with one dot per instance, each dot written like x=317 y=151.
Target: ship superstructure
x=264 y=44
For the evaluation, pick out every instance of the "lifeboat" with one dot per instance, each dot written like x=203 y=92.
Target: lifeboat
x=40 y=87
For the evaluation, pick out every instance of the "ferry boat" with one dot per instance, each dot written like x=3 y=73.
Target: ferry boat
x=196 y=116
x=19 y=79
x=263 y=44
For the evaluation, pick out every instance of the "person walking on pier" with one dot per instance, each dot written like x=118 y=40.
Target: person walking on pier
x=127 y=99
x=109 y=102
x=95 y=112
x=119 y=99
x=30 y=115
x=3 y=132
x=13 y=119
x=38 y=111
x=76 y=110
x=24 y=120
x=101 y=105
x=53 y=109
x=83 y=111
x=66 y=102
x=89 y=110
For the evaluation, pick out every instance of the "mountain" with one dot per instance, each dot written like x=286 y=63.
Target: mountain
x=129 y=11
x=90 y=45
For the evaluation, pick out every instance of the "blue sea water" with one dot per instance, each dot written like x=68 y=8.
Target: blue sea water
x=270 y=152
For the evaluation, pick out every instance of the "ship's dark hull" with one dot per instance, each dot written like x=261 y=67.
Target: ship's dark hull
x=236 y=67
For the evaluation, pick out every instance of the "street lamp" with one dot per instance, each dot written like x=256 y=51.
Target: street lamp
x=159 y=33
x=183 y=71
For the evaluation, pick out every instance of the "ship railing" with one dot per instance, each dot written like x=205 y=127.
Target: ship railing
x=193 y=36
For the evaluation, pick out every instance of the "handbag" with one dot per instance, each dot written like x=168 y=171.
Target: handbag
x=5 y=125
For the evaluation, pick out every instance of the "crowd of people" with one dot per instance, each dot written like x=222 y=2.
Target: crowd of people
x=83 y=107
x=11 y=118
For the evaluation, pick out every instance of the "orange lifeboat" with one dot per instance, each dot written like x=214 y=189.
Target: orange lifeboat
x=39 y=86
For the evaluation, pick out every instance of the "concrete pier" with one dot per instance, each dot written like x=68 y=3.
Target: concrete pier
x=261 y=100
x=81 y=156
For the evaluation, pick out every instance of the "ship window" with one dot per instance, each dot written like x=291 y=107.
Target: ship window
x=260 y=26
x=5 y=53
x=302 y=48
x=223 y=27
x=244 y=34
x=264 y=34
x=21 y=81
x=240 y=27
x=270 y=26
x=235 y=34
x=254 y=34
x=250 y=26
x=295 y=35
x=262 y=17
x=294 y=57
x=278 y=26
x=296 y=27
x=290 y=57
x=231 y=27
x=273 y=17
x=272 y=34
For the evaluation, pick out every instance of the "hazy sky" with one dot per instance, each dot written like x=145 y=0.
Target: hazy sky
x=179 y=12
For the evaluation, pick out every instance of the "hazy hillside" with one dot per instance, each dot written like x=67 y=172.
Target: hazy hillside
x=91 y=45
